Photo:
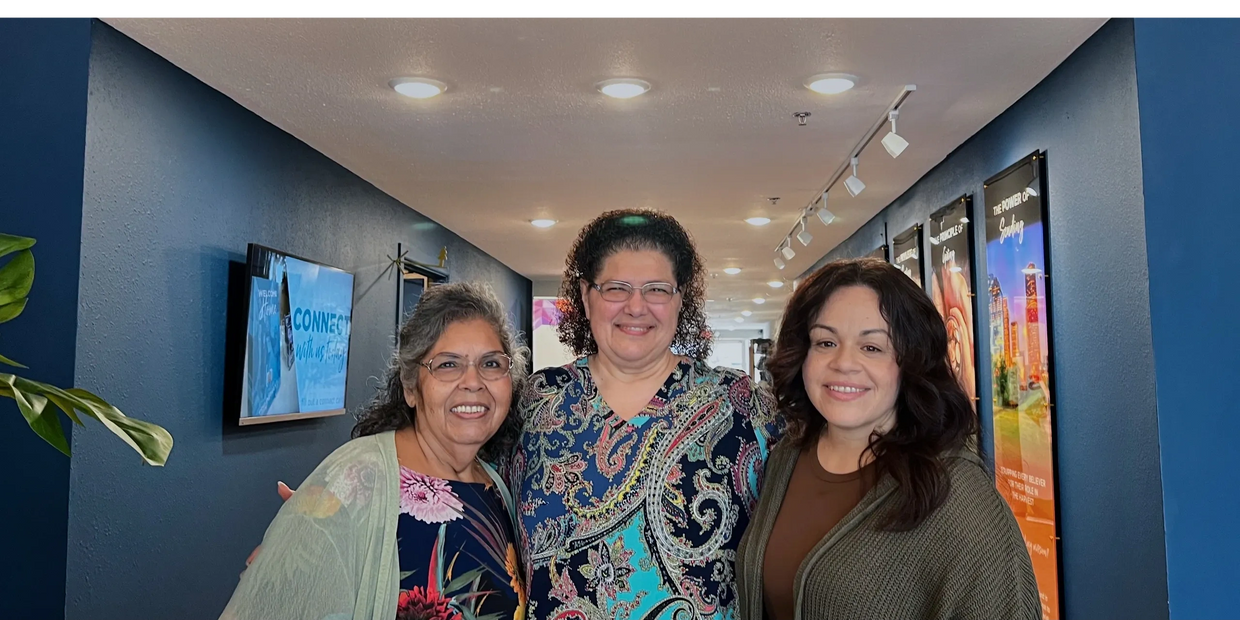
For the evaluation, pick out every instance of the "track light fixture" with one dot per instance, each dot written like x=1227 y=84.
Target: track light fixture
x=788 y=252
x=804 y=237
x=892 y=141
x=825 y=215
x=852 y=183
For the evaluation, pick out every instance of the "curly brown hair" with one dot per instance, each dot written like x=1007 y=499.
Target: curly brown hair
x=635 y=230
x=934 y=415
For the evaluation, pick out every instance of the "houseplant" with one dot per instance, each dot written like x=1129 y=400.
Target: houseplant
x=33 y=398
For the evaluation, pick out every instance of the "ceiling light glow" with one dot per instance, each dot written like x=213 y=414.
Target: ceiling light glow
x=418 y=87
x=623 y=88
x=831 y=83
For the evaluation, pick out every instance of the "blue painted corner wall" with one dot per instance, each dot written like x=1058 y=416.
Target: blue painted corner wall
x=1085 y=115
x=178 y=179
x=1188 y=78
x=43 y=69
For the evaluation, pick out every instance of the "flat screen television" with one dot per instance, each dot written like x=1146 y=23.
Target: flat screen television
x=296 y=340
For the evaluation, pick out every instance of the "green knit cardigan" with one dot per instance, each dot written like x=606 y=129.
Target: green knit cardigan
x=966 y=561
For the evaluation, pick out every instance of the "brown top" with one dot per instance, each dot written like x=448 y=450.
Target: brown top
x=815 y=502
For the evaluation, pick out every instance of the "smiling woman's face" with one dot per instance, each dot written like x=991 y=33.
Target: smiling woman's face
x=850 y=372
x=634 y=333
x=468 y=410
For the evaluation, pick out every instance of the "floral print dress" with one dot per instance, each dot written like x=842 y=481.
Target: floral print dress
x=457 y=558
x=638 y=519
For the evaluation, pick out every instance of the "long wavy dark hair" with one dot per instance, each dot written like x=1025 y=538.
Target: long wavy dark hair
x=933 y=413
x=439 y=307
x=635 y=230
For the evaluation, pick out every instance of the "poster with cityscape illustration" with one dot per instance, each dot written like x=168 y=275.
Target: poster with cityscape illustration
x=951 y=287
x=1020 y=363
x=906 y=253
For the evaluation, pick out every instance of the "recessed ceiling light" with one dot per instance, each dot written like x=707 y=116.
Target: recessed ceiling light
x=746 y=313
x=732 y=270
x=759 y=300
x=831 y=83
x=740 y=320
x=418 y=88
x=759 y=221
x=623 y=88
x=543 y=223
x=775 y=284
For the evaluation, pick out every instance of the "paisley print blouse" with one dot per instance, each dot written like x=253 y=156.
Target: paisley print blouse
x=638 y=519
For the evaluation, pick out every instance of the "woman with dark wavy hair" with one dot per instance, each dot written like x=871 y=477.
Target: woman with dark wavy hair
x=639 y=464
x=407 y=520
x=874 y=506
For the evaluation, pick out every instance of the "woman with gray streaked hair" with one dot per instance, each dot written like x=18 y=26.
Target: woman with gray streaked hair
x=407 y=520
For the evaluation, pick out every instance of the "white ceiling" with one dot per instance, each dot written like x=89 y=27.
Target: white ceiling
x=522 y=132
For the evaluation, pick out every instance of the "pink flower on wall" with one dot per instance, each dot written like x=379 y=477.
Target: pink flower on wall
x=428 y=499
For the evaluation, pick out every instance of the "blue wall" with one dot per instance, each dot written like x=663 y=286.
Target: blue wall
x=1188 y=77
x=43 y=69
x=1085 y=116
x=178 y=179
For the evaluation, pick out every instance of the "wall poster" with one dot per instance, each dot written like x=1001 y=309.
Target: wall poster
x=906 y=253
x=1020 y=363
x=951 y=287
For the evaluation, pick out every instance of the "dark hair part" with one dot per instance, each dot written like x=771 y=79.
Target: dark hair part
x=933 y=413
x=439 y=307
x=635 y=230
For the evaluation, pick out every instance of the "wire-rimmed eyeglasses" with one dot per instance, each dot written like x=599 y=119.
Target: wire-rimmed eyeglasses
x=652 y=292
x=450 y=366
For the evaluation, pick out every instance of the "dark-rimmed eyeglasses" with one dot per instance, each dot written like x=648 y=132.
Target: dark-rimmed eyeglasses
x=652 y=292
x=450 y=366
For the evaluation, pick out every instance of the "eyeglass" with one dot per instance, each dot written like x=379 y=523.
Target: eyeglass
x=652 y=292
x=450 y=366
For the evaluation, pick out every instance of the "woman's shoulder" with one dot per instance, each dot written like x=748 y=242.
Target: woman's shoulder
x=746 y=398
x=351 y=474
x=974 y=511
x=554 y=378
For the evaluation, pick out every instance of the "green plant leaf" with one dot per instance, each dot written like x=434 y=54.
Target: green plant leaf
x=11 y=243
x=8 y=312
x=45 y=423
x=150 y=441
x=16 y=278
x=8 y=362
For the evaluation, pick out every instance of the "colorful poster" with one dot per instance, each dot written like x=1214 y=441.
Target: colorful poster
x=951 y=288
x=297 y=338
x=548 y=351
x=906 y=253
x=1020 y=364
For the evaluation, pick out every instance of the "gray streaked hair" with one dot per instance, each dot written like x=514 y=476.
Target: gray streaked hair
x=439 y=307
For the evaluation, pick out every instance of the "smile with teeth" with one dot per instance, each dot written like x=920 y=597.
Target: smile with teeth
x=845 y=389
x=634 y=329
x=468 y=409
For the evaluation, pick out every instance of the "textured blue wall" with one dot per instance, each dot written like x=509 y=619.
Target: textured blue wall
x=1085 y=116
x=43 y=69
x=178 y=179
x=1188 y=77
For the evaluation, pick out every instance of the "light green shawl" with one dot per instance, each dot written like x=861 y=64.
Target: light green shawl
x=330 y=553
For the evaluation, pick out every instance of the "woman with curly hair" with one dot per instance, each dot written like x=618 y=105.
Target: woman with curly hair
x=407 y=520
x=638 y=464
x=874 y=506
